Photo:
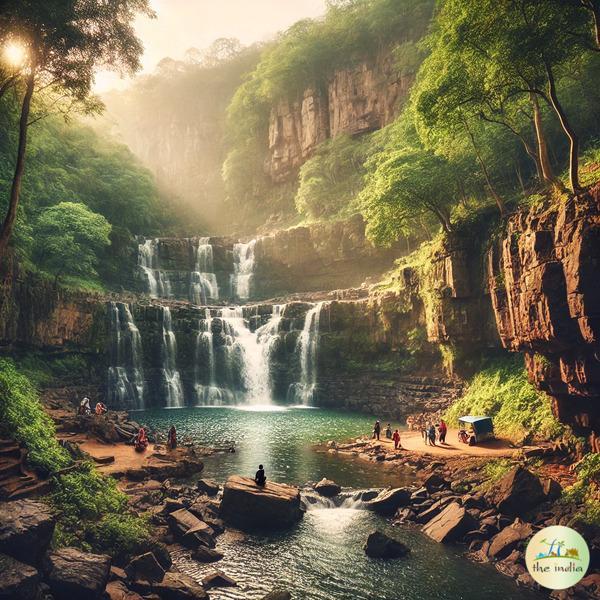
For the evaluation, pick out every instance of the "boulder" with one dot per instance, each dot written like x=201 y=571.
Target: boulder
x=517 y=492
x=18 y=581
x=450 y=524
x=247 y=505
x=208 y=487
x=434 y=482
x=26 y=528
x=433 y=511
x=379 y=545
x=552 y=489
x=117 y=590
x=388 y=502
x=206 y=555
x=71 y=573
x=145 y=567
x=190 y=529
x=278 y=595
x=507 y=540
x=218 y=579
x=178 y=586
x=327 y=488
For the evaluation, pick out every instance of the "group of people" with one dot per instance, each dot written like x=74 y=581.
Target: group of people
x=86 y=409
x=432 y=432
x=140 y=440
x=395 y=436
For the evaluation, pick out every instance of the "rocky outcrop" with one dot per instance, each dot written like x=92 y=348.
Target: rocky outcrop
x=321 y=256
x=379 y=545
x=71 y=573
x=517 y=492
x=450 y=524
x=356 y=100
x=18 y=581
x=389 y=501
x=37 y=314
x=543 y=277
x=327 y=488
x=26 y=528
x=249 y=506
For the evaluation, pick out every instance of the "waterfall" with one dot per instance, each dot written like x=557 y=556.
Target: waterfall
x=125 y=375
x=159 y=285
x=203 y=282
x=171 y=379
x=243 y=270
x=303 y=392
x=240 y=371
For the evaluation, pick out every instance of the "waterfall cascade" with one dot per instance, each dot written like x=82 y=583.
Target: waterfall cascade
x=243 y=269
x=125 y=383
x=203 y=281
x=173 y=388
x=304 y=391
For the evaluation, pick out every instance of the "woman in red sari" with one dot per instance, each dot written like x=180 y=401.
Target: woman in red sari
x=141 y=440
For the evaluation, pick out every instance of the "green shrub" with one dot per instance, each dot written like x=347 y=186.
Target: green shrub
x=503 y=392
x=585 y=491
x=23 y=417
x=93 y=514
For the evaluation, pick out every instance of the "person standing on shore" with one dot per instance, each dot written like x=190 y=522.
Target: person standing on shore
x=377 y=430
x=172 y=438
x=432 y=435
x=396 y=438
x=443 y=430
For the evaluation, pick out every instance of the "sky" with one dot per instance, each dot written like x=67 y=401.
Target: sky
x=183 y=24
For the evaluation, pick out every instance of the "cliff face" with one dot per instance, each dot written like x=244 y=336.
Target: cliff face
x=544 y=277
x=356 y=100
x=34 y=314
x=317 y=257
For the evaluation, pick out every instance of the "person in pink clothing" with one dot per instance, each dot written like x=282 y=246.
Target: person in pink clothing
x=396 y=438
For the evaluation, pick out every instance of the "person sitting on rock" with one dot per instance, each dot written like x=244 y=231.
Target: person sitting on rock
x=84 y=406
x=260 y=477
x=100 y=408
x=396 y=438
x=172 y=438
x=141 y=440
x=388 y=432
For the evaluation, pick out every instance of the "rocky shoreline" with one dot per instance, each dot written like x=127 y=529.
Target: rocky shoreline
x=453 y=503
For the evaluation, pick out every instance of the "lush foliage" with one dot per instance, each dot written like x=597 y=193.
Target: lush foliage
x=92 y=511
x=586 y=490
x=22 y=416
x=329 y=182
x=70 y=163
x=69 y=238
x=502 y=391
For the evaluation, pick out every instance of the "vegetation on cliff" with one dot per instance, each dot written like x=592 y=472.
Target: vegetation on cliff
x=92 y=511
x=501 y=390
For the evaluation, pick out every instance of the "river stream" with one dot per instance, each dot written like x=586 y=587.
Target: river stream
x=322 y=558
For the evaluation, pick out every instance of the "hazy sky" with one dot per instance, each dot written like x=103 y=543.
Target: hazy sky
x=183 y=24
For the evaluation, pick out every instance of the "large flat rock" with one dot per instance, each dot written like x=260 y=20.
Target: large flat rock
x=26 y=528
x=249 y=506
x=18 y=581
x=450 y=524
x=71 y=573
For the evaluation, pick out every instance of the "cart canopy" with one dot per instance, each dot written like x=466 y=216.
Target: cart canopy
x=481 y=425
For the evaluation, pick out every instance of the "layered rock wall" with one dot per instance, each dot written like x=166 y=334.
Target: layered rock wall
x=544 y=278
x=355 y=100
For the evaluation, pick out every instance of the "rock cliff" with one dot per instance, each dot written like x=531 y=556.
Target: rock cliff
x=355 y=100
x=544 y=278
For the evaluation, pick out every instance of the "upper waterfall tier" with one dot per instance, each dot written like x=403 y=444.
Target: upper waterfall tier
x=218 y=270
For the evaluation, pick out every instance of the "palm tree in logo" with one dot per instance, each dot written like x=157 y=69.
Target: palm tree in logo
x=554 y=544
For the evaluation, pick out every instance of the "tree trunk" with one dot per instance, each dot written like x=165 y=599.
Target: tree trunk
x=15 y=191
x=486 y=174
x=569 y=131
x=542 y=146
x=595 y=8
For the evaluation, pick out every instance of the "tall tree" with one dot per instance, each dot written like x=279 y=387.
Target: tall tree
x=63 y=42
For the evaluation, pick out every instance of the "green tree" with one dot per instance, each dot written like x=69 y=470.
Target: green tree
x=402 y=186
x=68 y=238
x=63 y=42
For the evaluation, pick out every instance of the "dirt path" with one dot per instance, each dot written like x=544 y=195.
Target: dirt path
x=412 y=441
